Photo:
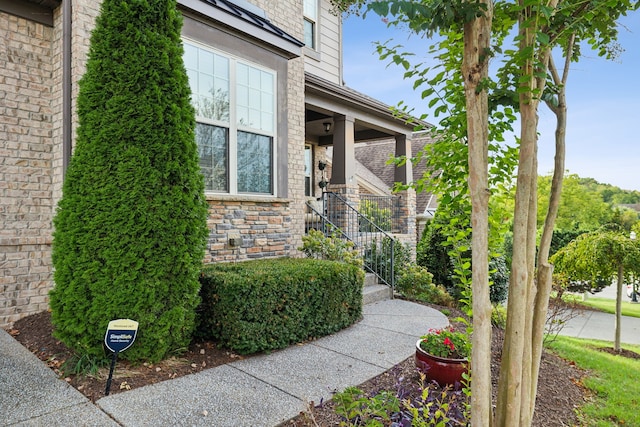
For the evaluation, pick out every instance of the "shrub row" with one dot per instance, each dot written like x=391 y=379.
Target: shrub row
x=265 y=305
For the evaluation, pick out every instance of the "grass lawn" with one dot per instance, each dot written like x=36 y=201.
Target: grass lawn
x=605 y=304
x=612 y=379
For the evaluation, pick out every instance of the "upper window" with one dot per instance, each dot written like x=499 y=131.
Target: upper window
x=310 y=23
x=235 y=105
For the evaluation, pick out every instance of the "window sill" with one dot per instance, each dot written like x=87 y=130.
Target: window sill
x=244 y=198
x=311 y=53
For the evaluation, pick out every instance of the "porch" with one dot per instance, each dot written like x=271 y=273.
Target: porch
x=344 y=196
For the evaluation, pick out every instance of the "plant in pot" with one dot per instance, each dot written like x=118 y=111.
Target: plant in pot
x=443 y=355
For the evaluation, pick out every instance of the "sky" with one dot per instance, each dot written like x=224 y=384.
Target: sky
x=603 y=98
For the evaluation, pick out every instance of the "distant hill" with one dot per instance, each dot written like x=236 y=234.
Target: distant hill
x=610 y=193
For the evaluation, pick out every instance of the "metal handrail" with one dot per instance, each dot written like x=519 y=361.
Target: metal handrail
x=376 y=245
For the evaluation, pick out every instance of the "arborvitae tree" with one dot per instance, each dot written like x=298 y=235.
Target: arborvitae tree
x=130 y=229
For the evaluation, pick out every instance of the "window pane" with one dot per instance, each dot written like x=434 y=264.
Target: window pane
x=255 y=162
x=255 y=98
x=308 y=169
x=209 y=81
x=213 y=150
x=311 y=9
x=309 y=39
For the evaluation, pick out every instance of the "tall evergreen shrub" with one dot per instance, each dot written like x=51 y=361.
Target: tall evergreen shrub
x=130 y=229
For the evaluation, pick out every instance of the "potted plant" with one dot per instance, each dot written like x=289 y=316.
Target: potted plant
x=443 y=355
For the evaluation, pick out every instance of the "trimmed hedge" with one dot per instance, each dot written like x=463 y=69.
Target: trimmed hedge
x=265 y=305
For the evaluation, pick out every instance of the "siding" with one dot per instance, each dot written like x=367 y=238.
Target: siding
x=326 y=62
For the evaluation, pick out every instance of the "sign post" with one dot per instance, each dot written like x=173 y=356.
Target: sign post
x=120 y=336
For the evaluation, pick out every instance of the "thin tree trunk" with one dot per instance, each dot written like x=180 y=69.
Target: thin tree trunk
x=474 y=69
x=545 y=270
x=616 y=343
x=525 y=414
x=508 y=405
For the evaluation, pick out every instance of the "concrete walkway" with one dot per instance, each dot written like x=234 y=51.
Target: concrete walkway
x=260 y=391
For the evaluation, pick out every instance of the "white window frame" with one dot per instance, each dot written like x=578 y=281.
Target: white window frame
x=234 y=127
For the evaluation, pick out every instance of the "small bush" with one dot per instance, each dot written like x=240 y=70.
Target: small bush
x=499 y=277
x=499 y=316
x=377 y=215
x=378 y=257
x=316 y=245
x=416 y=282
x=264 y=305
x=434 y=256
x=421 y=404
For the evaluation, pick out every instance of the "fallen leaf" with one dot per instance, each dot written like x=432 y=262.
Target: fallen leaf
x=14 y=332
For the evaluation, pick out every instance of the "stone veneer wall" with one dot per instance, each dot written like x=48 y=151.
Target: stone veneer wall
x=264 y=229
x=26 y=154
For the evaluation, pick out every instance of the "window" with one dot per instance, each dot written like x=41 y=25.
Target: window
x=235 y=105
x=308 y=171
x=310 y=11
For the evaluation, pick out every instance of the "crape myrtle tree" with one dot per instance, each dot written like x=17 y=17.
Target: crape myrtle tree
x=130 y=228
x=521 y=80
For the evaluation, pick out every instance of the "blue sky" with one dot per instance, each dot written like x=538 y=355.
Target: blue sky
x=603 y=97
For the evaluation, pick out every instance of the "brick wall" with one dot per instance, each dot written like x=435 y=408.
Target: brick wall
x=26 y=204
x=31 y=173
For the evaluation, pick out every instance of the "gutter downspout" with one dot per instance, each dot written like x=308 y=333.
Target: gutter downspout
x=66 y=85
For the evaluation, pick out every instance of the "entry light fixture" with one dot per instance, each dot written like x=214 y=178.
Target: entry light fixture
x=327 y=127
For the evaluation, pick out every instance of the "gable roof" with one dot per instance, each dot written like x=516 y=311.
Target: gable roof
x=374 y=156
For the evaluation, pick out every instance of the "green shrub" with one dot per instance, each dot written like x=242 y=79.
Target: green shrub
x=499 y=316
x=130 y=228
x=377 y=215
x=416 y=282
x=434 y=256
x=499 y=278
x=316 y=245
x=264 y=305
x=378 y=259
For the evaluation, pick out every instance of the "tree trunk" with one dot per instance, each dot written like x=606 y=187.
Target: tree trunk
x=474 y=69
x=616 y=343
x=545 y=270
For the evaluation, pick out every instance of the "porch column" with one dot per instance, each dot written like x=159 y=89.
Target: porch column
x=404 y=173
x=343 y=174
x=407 y=198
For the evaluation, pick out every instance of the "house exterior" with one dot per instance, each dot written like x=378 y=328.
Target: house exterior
x=266 y=78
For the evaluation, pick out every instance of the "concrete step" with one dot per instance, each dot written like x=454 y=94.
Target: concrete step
x=375 y=293
x=370 y=279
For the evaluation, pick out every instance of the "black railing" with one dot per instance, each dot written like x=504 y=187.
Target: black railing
x=375 y=244
x=384 y=211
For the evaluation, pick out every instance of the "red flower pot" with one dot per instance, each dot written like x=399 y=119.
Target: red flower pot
x=440 y=369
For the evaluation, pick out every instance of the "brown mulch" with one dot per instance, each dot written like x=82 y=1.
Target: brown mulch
x=35 y=333
x=559 y=386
